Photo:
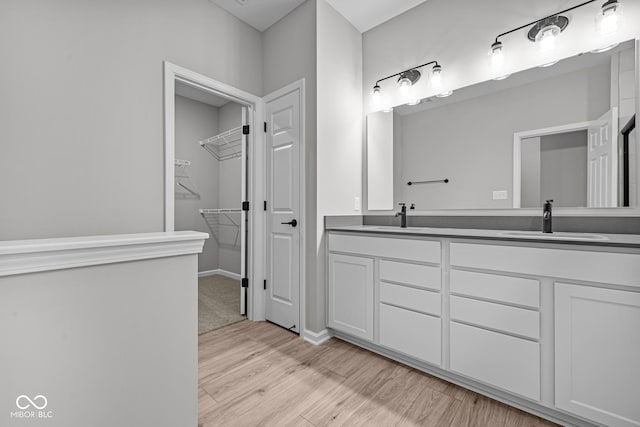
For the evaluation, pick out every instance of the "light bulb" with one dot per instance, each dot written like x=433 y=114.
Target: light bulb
x=496 y=56
x=404 y=85
x=376 y=96
x=547 y=36
x=609 y=18
x=437 y=81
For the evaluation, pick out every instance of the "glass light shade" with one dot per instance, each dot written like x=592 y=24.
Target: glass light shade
x=376 y=96
x=547 y=37
x=496 y=56
x=437 y=80
x=404 y=85
x=609 y=18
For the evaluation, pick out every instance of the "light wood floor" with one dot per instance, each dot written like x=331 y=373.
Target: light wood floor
x=258 y=374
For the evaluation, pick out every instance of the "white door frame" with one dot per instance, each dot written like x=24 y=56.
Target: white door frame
x=517 y=151
x=255 y=193
x=300 y=85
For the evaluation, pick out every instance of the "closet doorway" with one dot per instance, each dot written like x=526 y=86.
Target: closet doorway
x=210 y=149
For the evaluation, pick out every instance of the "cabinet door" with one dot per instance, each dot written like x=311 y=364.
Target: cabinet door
x=597 y=353
x=351 y=295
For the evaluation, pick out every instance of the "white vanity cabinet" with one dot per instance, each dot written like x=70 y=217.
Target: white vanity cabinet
x=553 y=328
x=597 y=353
x=496 y=319
x=368 y=282
x=351 y=295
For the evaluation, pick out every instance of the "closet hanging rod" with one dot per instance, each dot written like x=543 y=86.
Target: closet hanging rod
x=433 y=181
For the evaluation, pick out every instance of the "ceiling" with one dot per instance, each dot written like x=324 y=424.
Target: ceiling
x=366 y=14
x=363 y=14
x=260 y=14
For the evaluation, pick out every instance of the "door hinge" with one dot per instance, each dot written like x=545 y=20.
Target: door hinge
x=265 y=284
x=265 y=127
x=245 y=130
x=245 y=206
x=245 y=282
x=265 y=205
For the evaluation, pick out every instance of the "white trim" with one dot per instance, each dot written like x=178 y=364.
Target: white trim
x=316 y=338
x=174 y=73
x=30 y=256
x=517 y=151
x=301 y=86
x=219 y=272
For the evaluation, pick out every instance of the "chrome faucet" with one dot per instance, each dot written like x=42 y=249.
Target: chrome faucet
x=403 y=215
x=546 y=217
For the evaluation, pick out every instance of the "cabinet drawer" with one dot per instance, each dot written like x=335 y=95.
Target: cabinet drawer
x=387 y=247
x=411 y=274
x=412 y=298
x=414 y=334
x=514 y=290
x=510 y=363
x=496 y=316
x=592 y=266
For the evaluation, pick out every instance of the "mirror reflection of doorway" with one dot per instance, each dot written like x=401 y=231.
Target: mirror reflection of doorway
x=576 y=165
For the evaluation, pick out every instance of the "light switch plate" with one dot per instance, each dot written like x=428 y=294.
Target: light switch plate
x=500 y=195
x=356 y=203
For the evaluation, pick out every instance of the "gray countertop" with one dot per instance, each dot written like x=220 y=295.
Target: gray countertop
x=620 y=240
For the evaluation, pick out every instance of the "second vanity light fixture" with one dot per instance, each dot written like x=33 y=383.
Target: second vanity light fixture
x=544 y=32
x=407 y=78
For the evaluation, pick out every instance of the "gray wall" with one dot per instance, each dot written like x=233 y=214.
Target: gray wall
x=81 y=106
x=471 y=142
x=563 y=169
x=217 y=182
x=112 y=345
x=289 y=55
x=196 y=121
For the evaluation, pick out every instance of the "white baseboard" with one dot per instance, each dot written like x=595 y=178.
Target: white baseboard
x=316 y=338
x=220 y=272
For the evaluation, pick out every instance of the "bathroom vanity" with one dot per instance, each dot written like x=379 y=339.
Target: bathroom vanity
x=549 y=324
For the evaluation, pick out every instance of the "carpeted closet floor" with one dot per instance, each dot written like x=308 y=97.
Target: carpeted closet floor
x=218 y=302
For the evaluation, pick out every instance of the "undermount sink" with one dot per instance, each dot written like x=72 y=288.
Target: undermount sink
x=395 y=228
x=558 y=236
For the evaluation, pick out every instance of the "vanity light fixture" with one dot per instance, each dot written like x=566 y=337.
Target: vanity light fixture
x=545 y=31
x=609 y=18
x=406 y=80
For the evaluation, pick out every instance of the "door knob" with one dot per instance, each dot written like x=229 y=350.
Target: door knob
x=292 y=223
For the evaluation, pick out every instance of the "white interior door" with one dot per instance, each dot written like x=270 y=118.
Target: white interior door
x=283 y=208
x=602 y=161
x=244 y=236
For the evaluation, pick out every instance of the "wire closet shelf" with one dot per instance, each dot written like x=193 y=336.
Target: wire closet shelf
x=218 y=218
x=226 y=145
